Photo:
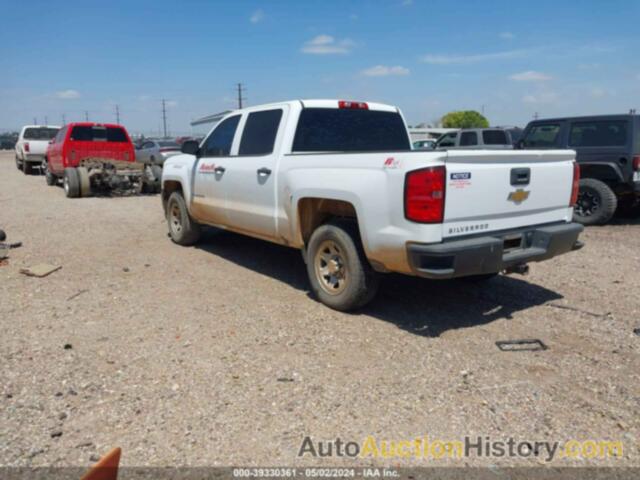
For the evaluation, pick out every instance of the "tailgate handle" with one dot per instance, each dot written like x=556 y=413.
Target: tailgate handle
x=520 y=176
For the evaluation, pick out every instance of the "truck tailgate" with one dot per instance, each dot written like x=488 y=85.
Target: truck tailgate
x=501 y=190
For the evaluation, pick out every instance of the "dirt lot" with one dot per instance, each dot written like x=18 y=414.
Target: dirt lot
x=216 y=355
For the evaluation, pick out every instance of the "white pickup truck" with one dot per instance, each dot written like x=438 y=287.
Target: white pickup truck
x=31 y=147
x=339 y=181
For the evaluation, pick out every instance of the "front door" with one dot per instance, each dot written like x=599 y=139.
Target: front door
x=210 y=175
x=251 y=175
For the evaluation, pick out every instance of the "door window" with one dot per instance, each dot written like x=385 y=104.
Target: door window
x=468 y=139
x=448 y=140
x=604 y=133
x=259 y=135
x=494 y=137
x=543 y=135
x=218 y=144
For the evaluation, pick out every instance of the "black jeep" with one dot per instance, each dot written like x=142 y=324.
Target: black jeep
x=608 y=151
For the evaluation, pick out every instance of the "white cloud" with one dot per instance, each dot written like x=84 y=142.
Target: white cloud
x=68 y=94
x=256 y=16
x=507 y=36
x=530 y=76
x=384 y=71
x=477 y=58
x=171 y=103
x=354 y=16
x=327 y=45
x=406 y=3
x=599 y=92
x=543 y=97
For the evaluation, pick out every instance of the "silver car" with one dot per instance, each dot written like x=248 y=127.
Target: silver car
x=155 y=152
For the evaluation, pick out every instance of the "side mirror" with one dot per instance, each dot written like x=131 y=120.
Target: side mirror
x=190 y=146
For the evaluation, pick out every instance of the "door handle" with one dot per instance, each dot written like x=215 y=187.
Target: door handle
x=219 y=170
x=264 y=171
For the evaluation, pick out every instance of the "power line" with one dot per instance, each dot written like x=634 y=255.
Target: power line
x=164 y=117
x=240 y=98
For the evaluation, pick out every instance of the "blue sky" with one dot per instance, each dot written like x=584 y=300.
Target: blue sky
x=427 y=56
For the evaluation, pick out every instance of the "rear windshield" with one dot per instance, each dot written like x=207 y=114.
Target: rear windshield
x=342 y=130
x=98 y=134
x=494 y=137
x=40 y=133
x=601 y=133
x=543 y=135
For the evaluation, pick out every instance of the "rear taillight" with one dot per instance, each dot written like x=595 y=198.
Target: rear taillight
x=636 y=163
x=575 y=187
x=424 y=195
x=353 y=105
x=26 y=146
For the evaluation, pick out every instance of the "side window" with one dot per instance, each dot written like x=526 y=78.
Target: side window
x=218 y=144
x=494 y=137
x=606 y=133
x=543 y=135
x=260 y=132
x=448 y=140
x=468 y=139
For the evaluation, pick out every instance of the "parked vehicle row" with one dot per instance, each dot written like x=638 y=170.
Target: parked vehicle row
x=339 y=181
x=31 y=147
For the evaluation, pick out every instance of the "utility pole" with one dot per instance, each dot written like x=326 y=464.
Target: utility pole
x=535 y=116
x=164 y=117
x=117 y=114
x=632 y=111
x=46 y=120
x=64 y=119
x=482 y=109
x=35 y=120
x=240 y=89
x=86 y=115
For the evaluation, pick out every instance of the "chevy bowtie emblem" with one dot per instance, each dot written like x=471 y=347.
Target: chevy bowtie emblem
x=518 y=196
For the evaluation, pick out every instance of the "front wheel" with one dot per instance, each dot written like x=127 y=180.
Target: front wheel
x=339 y=272
x=596 y=203
x=50 y=178
x=182 y=228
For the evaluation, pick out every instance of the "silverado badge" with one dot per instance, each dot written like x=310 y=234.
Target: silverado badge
x=518 y=196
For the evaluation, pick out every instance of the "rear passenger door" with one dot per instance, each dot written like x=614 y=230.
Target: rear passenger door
x=251 y=173
x=468 y=139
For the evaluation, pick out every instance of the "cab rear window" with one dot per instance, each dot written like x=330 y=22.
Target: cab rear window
x=343 y=130
x=98 y=134
x=40 y=133
x=494 y=137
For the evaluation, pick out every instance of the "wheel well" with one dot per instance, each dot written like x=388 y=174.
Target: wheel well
x=313 y=212
x=605 y=173
x=168 y=188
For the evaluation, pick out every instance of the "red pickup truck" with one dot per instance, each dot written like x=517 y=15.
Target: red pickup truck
x=91 y=156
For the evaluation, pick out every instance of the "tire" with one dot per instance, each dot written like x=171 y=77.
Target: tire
x=339 y=272
x=18 y=163
x=71 y=183
x=183 y=230
x=49 y=177
x=27 y=169
x=157 y=175
x=596 y=203
x=85 y=181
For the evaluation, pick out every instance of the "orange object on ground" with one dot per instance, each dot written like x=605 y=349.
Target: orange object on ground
x=106 y=468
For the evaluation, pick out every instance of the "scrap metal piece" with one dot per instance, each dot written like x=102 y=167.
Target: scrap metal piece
x=522 y=345
x=40 y=270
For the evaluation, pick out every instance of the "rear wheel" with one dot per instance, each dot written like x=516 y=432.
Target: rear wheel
x=27 y=168
x=71 y=183
x=339 y=272
x=18 y=163
x=50 y=178
x=157 y=175
x=596 y=203
x=182 y=228
x=85 y=181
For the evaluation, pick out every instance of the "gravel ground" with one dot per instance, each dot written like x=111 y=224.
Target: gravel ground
x=216 y=355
